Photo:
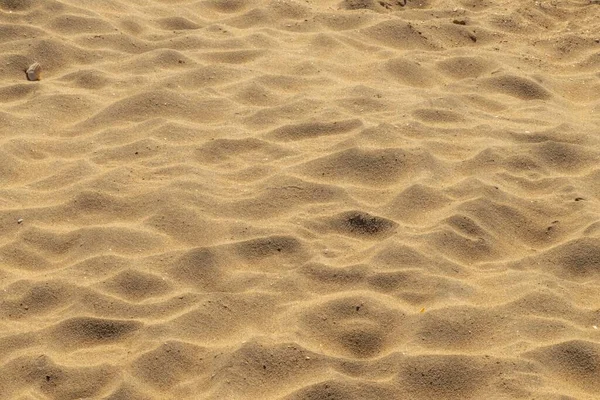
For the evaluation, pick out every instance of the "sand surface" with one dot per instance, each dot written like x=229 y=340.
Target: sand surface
x=300 y=199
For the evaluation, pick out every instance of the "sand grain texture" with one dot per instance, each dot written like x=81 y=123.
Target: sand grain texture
x=300 y=199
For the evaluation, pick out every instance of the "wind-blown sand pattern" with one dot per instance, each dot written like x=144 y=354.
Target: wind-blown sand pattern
x=300 y=199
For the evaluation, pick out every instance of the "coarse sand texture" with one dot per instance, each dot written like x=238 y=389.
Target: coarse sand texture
x=299 y=199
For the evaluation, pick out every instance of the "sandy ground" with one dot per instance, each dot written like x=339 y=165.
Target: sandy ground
x=300 y=199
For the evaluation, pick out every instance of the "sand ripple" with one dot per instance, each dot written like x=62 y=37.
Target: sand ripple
x=285 y=199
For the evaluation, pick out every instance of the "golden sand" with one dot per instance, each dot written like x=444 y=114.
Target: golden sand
x=300 y=199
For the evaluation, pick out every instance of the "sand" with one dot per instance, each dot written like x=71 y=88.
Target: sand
x=300 y=199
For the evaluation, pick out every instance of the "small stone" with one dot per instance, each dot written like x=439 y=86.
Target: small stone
x=20 y=220
x=34 y=72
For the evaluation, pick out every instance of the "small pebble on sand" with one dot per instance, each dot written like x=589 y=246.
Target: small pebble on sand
x=34 y=72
